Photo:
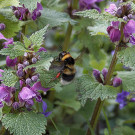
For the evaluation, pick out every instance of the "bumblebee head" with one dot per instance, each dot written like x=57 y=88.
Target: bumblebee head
x=62 y=54
x=66 y=57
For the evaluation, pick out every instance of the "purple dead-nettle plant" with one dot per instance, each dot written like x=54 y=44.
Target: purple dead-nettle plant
x=127 y=14
x=23 y=13
x=28 y=80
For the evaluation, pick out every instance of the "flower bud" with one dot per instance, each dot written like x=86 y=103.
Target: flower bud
x=132 y=100
x=34 y=60
x=26 y=63
x=38 y=13
x=129 y=7
x=125 y=18
x=11 y=62
x=29 y=103
x=2 y=26
x=104 y=72
x=25 y=54
x=34 y=78
x=117 y=82
x=130 y=16
x=42 y=49
x=96 y=74
x=119 y=12
x=115 y=35
x=15 y=105
x=17 y=14
x=13 y=8
x=20 y=73
x=20 y=66
x=28 y=81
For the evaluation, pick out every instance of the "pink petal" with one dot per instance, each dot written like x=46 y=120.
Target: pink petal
x=26 y=94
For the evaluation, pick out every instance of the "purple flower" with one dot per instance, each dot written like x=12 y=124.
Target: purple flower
x=23 y=13
x=34 y=60
x=104 y=72
x=122 y=99
x=42 y=49
x=44 y=106
x=114 y=31
x=96 y=74
x=2 y=26
x=89 y=4
x=36 y=13
x=15 y=105
x=117 y=81
x=28 y=93
x=129 y=30
x=112 y=9
x=5 y=95
x=8 y=40
x=34 y=78
x=11 y=62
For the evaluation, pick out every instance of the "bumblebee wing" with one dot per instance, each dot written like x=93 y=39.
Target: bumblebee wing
x=57 y=65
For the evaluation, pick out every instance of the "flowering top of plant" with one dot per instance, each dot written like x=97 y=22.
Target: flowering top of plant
x=24 y=14
x=123 y=98
x=122 y=11
x=115 y=82
x=28 y=78
x=89 y=4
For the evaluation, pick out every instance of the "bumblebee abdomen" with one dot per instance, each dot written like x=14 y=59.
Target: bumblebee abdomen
x=68 y=77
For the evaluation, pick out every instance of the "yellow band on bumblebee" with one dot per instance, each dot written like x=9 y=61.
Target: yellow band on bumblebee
x=65 y=57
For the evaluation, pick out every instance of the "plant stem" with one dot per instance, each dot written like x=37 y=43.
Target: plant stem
x=69 y=29
x=55 y=125
x=107 y=121
x=67 y=38
x=99 y=103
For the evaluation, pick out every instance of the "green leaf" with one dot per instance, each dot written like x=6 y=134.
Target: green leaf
x=38 y=37
x=127 y=57
x=14 y=50
x=46 y=77
x=88 y=88
x=26 y=41
x=70 y=103
x=44 y=64
x=85 y=112
x=30 y=4
x=5 y=3
x=8 y=78
x=128 y=80
x=99 y=28
x=94 y=14
x=53 y=18
x=124 y=130
x=8 y=14
x=11 y=27
x=25 y=123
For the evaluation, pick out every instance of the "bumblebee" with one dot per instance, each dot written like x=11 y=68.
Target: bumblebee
x=65 y=66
